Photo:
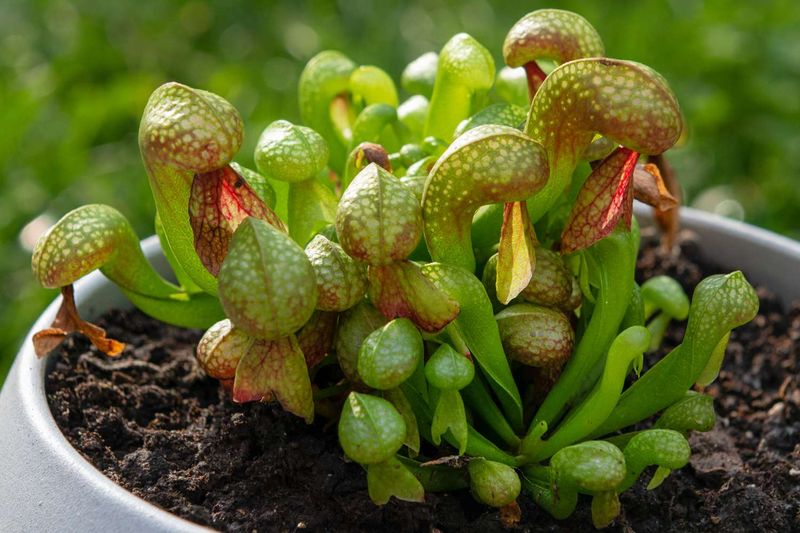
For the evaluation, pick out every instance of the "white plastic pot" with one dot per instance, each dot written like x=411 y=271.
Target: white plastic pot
x=46 y=485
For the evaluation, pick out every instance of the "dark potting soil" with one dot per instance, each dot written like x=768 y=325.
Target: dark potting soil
x=154 y=423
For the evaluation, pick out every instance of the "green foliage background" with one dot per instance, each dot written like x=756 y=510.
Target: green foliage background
x=75 y=75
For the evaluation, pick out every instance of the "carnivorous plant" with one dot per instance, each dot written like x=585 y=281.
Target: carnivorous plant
x=461 y=263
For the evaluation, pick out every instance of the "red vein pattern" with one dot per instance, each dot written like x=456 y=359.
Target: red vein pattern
x=400 y=290
x=275 y=370
x=605 y=197
x=220 y=200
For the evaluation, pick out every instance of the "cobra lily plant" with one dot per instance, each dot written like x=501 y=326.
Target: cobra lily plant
x=460 y=263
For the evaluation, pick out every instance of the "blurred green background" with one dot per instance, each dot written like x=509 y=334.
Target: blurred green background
x=75 y=76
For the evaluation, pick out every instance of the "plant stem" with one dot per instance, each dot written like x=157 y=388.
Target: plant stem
x=436 y=478
x=593 y=410
x=614 y=263
x=480 y=402
x=535 y=76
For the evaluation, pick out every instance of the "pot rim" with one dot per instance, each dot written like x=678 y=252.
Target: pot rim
x=768 y=258
x=34 y=422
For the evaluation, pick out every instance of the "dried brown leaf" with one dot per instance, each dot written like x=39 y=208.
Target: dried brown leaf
x=69 y=321
x=649 y=187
